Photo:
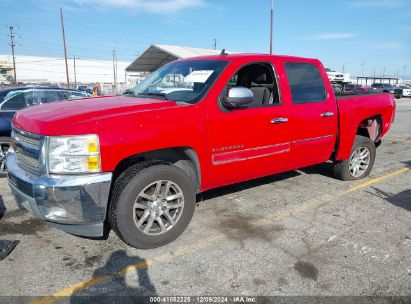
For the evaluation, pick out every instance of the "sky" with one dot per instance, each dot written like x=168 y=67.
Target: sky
x=361 y=37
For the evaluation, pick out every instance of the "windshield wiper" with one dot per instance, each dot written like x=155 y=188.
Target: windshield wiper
x=157 y=94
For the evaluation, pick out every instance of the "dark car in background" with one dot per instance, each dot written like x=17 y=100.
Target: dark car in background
x=84 y=88
x=355 y=89
x=383 y=88
x=363 y=89
x=14 y=99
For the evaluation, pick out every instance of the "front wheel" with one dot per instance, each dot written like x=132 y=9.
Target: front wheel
x=152 y=204
x=5 y=143
x=360 y=162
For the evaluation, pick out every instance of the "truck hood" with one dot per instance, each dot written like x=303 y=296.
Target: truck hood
x=59 y=118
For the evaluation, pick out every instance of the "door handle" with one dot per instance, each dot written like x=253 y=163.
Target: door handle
x=327 y=114
x=279 y=120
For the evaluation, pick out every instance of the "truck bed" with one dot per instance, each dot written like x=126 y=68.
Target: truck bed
x=357 y=108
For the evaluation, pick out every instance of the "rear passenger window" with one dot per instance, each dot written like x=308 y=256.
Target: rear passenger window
x=306 y=82
x=17 y=102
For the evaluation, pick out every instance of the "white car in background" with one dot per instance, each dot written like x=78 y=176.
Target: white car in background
x=406 y=90
x=337 y=77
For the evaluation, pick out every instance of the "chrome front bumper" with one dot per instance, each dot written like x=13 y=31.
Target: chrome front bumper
x=75 y=204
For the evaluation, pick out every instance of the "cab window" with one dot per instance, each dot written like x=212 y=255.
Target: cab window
x=305 y=82
x=260 y=79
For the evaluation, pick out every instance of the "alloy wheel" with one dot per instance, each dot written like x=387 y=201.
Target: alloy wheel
x=359 y=162
x=158 y=207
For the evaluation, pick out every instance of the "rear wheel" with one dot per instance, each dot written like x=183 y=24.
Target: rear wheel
x=360 y=162
x=152 y=205
x=5 y=143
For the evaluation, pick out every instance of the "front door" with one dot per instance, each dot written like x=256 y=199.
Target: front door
x=253 y=141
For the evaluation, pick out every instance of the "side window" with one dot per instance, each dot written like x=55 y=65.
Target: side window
x=305 y=82
x=49 y=96
x=260 y=79
x=33 y=98
x=73 y=95
x=15 y=103
x=63 y=95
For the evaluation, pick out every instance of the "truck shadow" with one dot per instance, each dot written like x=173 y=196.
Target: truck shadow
x=401 y=199
x=407 y=163
x=210 y=194
x=108 y=283
x=2 y=207
x=323 y=169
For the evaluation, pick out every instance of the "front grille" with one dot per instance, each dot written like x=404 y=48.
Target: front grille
x=28 y=140
x=27 y=147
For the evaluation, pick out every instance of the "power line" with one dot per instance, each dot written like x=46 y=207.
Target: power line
x=63 y=72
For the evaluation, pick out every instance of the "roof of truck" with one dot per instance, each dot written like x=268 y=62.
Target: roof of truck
x=231 y=57
x=157 y=55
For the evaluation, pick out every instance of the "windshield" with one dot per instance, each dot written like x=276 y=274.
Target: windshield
x=185 y=81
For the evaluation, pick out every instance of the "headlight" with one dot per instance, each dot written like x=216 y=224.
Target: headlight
x=74 y=154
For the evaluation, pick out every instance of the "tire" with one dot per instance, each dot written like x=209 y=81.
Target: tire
x=398 y=96
x=124 y=216
x=341 y=169
x=5 y=143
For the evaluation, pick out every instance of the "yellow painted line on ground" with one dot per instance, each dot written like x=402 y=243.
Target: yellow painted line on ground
x=377 y=180
x=66 y=292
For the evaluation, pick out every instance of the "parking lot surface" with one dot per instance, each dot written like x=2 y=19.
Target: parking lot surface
x=297 y=233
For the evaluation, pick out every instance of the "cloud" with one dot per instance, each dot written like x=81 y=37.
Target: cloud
x=387 y=4
x=331 y=36
x=153 y=6
x=387 y=45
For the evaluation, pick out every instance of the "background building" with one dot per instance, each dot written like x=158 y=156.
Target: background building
x=52 y=71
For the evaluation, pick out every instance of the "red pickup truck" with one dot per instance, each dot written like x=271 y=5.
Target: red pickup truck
x=135 y=163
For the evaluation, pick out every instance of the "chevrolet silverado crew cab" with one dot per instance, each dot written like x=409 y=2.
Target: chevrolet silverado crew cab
x=135 y=163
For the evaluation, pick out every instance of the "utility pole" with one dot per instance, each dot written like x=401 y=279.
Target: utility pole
x=343 y=68
x=404 y=69
x=383 y=73
x=115 y=70
x=271 y=26
x=65 y=48
x=13 y=44
x=215 y=43
x=75 y=73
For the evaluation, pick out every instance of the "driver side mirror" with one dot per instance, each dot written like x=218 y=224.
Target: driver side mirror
x=237 y=97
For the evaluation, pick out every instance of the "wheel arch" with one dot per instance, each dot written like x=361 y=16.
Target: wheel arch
x=183 y=157
x=371 y=127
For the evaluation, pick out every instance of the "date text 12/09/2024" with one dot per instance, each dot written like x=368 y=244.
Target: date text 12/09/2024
x=204 y=299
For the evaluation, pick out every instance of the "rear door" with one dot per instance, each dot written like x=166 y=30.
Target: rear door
x=314 y=113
